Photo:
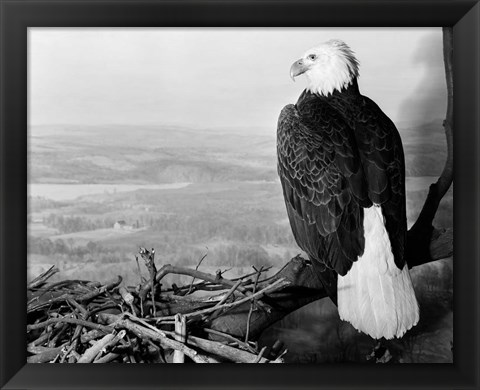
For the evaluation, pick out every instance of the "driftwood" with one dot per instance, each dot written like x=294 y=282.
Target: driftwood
x=81 y=321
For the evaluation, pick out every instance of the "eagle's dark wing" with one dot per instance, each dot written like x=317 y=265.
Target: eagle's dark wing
x=383 y=161
x=323 y=183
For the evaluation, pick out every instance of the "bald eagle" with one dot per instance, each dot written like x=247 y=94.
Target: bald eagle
x=342 y=170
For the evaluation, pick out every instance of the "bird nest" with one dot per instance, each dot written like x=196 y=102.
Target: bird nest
x=78 y=321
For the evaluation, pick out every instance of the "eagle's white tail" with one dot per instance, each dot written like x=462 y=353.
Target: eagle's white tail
x=375 y=296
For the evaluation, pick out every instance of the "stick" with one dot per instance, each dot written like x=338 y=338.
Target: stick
x=107 y=358
x=170 y=269
x=94 y=294
x=139 y=271
x=34 y=350
x=79 y=307
x=225 y=351
x=91 y=352
x=278 y=284
x=201 y=285
x=180 y=335
x=196 y=269
x=127 y=298
x=53 y=341
x=45 y=356
x=44 y=337
x=224 y=299
x=231 y=338
x=91 y=335
x=259 y=357
x=149 y=258
x=88 y=324
x=118 y=337
x=164 y=341
x=64 y=297
x=76 y=333
x=69 y=350
x=252 y=303
x=228 y=294
x=42 y=278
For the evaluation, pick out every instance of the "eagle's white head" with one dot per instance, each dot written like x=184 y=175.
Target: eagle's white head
x=328 y=67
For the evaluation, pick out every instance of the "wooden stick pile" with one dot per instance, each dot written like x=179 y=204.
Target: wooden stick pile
x=77 y=321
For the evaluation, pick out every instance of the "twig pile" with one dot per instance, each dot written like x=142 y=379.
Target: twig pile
x=77 y=321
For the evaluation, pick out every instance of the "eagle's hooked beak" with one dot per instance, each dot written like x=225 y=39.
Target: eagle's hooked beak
x=297 y=68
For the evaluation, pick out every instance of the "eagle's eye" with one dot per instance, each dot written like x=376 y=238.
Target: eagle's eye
x=312 y=57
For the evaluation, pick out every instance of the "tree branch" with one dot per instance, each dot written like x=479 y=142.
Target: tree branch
x=305 y=287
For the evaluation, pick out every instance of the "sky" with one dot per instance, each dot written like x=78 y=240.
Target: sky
x=219 y=77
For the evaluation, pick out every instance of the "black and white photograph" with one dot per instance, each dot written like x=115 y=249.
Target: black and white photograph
x=240 y=195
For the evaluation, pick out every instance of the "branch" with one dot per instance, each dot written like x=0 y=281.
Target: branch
x=170 y=269
x=225 y=351
x=76 y=321
x=305 y=287
x=279 y=284
x=40 y=280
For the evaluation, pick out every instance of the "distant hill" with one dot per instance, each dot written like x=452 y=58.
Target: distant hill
x=159 y=154
x=147 y=154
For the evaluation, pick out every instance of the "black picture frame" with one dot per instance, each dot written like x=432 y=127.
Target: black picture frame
x=18 y=15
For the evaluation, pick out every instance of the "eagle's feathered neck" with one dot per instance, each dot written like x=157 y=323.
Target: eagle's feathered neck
x=346 y=100
x=343 y=99
x=348 y=93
